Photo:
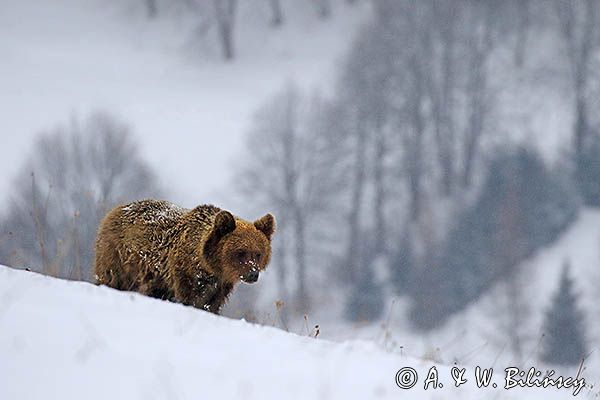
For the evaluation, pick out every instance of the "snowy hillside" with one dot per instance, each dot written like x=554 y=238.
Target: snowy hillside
x=97 y=343
x=406 y=158
x=62 y=59
x=472 y=335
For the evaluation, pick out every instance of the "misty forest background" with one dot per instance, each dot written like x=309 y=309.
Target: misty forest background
x=420 y=176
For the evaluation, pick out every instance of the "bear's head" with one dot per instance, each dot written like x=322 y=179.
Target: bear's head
x=240 y=249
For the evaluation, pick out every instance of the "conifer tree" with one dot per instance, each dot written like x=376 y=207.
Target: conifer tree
x=564 y=328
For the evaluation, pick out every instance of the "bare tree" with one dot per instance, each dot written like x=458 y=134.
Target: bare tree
x=379 y=185
x=443 y=86
x=354 y=82
x=479 y=45
x=276 y=13
x=578 y=25
x=509 y=250
x=268 y=178
x=74 y=176
x=290 y=142
x=323 y=8
x=523 y=8
x=417 y=82
x=225 y=11
x=356 y=199
x=291 y=172
x=367 y=86
x=151 y=8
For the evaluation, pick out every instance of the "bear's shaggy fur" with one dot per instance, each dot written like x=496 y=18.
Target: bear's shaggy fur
x=194 y=257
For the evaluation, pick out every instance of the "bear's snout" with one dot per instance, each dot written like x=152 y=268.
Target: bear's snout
x=251 y=276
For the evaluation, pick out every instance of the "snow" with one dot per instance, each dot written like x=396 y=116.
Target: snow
x=580 y=246
x=73 y=340
x=471 y=336
x=62 y=59
x=69 y=340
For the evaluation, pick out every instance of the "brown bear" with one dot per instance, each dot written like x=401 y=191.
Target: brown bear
x=194 y=257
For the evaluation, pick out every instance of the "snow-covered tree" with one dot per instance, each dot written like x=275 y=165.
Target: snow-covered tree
x=564 y=326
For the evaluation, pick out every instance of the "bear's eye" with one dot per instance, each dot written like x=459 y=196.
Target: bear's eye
x=241 y=255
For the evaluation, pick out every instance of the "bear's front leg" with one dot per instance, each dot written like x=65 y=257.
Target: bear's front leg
x=205 y=292
x=194 y=288
x=219 y=298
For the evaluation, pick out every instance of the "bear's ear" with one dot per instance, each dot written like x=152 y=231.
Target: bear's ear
x=223 y=224
x=266 y=225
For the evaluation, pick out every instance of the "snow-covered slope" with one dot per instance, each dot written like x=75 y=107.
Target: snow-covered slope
x=474 y=336
x=69 y=340
x=479 y=333
x=189 y=109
